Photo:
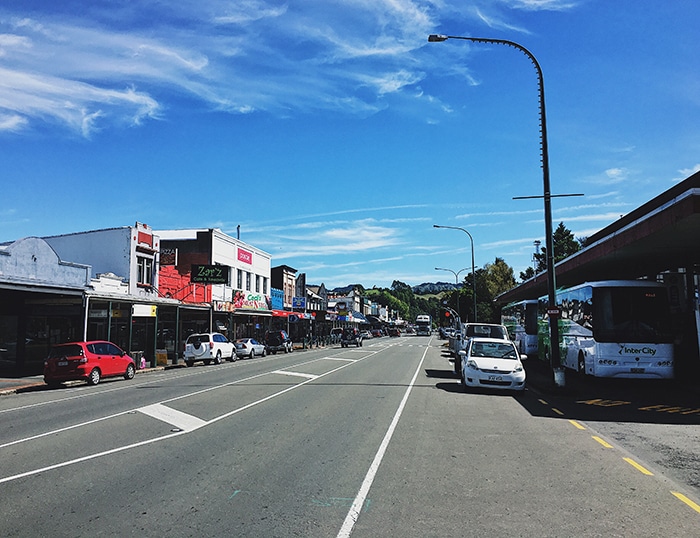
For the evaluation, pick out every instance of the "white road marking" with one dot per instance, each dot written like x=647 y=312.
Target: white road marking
x=359 y=502
x=298 y=374
x=172 y=416
x=171 y=435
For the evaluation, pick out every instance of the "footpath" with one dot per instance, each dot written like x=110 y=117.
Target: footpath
x=13 y=385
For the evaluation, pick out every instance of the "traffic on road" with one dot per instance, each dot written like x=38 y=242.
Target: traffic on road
x=373 y=440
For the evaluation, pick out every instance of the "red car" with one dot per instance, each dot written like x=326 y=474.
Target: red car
x=90 y=361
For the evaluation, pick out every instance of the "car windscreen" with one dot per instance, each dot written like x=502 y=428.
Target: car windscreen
x=489 y=331
x=493 y=350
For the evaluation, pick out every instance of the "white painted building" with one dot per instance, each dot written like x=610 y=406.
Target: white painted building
x=128 y=252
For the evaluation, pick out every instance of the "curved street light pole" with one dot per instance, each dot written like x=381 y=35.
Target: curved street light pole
x=456 y=274
x=549 y=237
x=471 y=239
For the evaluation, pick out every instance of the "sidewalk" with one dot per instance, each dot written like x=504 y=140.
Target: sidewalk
x=13 y=385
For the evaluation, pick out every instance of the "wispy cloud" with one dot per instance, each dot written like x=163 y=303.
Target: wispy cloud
x=687 y=172
x=235 y=57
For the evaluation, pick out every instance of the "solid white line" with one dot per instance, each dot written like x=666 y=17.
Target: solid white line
x=297 y=374
x=359 y=502
x=172 y=416
x=87 y=458
x=157 y=439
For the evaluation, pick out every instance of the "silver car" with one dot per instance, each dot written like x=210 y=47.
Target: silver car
x=249 y=347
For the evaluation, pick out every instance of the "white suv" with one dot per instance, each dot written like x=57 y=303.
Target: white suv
x=483 y=330
x=208 y=347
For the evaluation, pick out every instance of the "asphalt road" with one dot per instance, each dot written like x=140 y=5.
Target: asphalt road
x=371 y=441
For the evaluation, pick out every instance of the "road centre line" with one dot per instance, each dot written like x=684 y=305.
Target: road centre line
x=359 y=502
x=174 y=434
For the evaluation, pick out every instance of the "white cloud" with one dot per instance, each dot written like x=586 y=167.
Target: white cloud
x=687 y=172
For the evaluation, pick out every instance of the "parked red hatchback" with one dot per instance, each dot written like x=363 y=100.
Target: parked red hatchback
x=90 y=361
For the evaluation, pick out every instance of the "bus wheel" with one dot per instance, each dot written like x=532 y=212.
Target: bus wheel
x=581 y=364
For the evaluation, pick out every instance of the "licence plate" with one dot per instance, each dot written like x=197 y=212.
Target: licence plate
x=495 y=378
x=62 y=363
x=637 y=370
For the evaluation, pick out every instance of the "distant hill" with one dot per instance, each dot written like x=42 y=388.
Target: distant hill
x=429 y=288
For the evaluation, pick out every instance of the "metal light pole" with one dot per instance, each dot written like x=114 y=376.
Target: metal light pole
x=471 y=239
x=555 y=361
x=456 y=280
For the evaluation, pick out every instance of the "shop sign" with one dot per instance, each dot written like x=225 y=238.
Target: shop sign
x=209 y=274
x=144 y=310
x=243 y=300
x=168 y=256
x=298 y=302
x=245 y=256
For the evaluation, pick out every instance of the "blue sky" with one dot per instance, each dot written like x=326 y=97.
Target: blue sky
x=333 y=133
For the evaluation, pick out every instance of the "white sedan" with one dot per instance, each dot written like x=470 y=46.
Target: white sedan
x=249 y=347
x=492 y=363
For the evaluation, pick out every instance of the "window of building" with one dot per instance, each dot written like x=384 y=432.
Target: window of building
x=257 y=283
x=145 y=271
x=264 y=290
x=247 y=281
x=239 y=279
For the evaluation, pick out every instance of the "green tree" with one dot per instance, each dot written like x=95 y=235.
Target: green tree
x=565 y=244
x=527 y=274
x=491 y=280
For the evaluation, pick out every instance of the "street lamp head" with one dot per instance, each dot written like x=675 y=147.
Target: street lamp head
x=436 y=38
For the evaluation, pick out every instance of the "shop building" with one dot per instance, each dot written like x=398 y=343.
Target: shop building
x=212 y=270
x=122 y=302
x=41 y=303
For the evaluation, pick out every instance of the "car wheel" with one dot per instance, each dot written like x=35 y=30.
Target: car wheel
x=95 y=376
x=273 y=351
x=217 y=359
x=130 y=372
x=189 y=363
x=252 y=354
x=264 y=352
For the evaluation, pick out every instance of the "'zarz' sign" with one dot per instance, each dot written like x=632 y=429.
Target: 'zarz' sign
x=209 y=274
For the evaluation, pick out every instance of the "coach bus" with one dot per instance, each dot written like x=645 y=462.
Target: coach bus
x=520 y=318
x=424 y=325
x=614 y=328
